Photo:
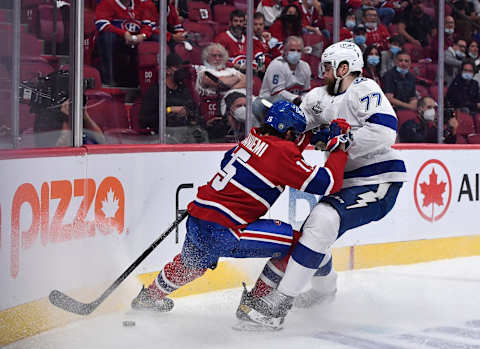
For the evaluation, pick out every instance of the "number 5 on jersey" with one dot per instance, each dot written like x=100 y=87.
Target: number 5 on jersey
x=226 y=173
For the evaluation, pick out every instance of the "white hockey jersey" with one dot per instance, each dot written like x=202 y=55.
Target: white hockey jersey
x=371 y=159
x=280 y=79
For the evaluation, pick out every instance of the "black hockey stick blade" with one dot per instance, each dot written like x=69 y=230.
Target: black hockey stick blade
x=67 y=303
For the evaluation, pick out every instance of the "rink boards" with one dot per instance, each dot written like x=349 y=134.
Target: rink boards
x=75 y=219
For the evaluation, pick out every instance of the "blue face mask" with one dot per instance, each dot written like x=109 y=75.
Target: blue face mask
x=359 y=39
x=402 y=71
x=373 y=60
x=467 y=75
x=350 y=24
x=395 y=50
x=293 y=57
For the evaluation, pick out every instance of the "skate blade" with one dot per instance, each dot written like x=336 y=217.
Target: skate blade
x=249 y=326
x=254 y=317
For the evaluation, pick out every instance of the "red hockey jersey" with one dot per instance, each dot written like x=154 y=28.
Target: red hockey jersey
x=255 y=173
x=113 y=16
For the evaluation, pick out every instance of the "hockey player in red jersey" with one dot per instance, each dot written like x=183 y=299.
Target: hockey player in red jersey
x=224 y=217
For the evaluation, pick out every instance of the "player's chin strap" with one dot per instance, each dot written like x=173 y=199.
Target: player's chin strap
x=338 y=80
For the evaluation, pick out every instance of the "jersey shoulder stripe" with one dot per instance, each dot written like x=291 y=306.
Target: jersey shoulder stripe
x=384 y=120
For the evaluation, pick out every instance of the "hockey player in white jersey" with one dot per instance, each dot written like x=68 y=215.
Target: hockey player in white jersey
x=374 y=174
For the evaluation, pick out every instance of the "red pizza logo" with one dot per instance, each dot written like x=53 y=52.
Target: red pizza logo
x=432 y=190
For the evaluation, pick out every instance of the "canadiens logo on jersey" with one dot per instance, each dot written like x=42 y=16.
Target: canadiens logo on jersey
x=132 y=26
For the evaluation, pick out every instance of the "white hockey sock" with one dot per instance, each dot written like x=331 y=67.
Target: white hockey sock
x=295 y=278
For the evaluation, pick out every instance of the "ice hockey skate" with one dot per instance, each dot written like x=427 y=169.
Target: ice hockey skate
x=262 y=314
x=146 y=301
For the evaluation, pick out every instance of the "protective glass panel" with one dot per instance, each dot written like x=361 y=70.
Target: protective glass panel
x=40 y=117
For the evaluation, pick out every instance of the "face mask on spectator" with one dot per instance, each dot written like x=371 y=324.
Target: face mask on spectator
x=395 y=49
x=293 y=57
x=402 y=71
x=429 y=114
x=474 y=56
x=310 y=2
x=240 y=114
x=291 y=18
x=373 y=60
x=371 y=25
x=360 y=39
x=350 y=24
x=460 y=54
x=467 y=75
x=449 y=30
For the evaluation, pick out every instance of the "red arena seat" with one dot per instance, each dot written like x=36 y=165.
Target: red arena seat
x=199 y=11
x=199 y=34
x=221 y=13
x=473 y=138
x=46 y=18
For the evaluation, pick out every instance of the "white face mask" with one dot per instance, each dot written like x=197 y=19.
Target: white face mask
x=429 y=114
x=240 y=114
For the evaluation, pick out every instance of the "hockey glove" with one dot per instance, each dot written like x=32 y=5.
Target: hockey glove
x=335 y=142
x=339 y=134
x=320 y=136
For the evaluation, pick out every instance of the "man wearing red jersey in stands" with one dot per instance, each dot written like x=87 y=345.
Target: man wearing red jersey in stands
x=377 y=33
x=224 y=216
x=122 y=24
x=233 y=39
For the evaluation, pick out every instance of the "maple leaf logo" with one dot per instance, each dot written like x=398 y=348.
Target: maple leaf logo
x=110 y=204
x=432 y=191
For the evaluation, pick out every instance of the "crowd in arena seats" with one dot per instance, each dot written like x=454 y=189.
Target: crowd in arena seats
x=206 y=62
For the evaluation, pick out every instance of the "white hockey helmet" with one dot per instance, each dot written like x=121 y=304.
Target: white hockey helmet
x=343 y=51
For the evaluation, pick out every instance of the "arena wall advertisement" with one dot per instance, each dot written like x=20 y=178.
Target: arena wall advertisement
x=78 y=219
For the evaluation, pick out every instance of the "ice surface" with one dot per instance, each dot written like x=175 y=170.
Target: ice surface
x=428 y=305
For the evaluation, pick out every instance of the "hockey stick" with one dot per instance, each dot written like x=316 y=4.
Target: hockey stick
x=67 y=303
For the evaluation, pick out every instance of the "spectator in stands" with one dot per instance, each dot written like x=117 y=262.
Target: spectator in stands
x=234 y=40
x=454 y=56
x=423 y=129
x=377 y=33
x=395 y=45
x=465 y=19
x=399 y=83
x=288 y=24
x=415 y=25
x=215 y=58
x=450 y=36
x=261 y=49
x=473 y=54
x=122 y=25
x=234 y=111
x=360 y=36
x=287 y=77
x=463 y=93
x=312 y=18
x=346 y=32
x=271 y=9
x=372 y=61
x=386 y=14
x=182 y=113
x=53 y=128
